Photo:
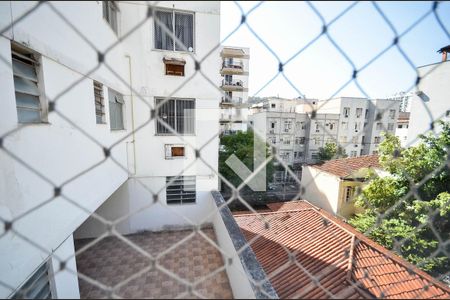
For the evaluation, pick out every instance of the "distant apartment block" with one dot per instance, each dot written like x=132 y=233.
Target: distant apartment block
x=401 y=130
x=298 y=128
x=235 y=73
x=430 y=102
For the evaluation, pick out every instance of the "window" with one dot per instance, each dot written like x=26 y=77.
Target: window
x=317 y=127
x=287 y=141
x=174 y=151
x=110 y=13
x=99 y=103
x=37 y=286
x=180 y=190
x=349 y=192
x=343 y=139
x=26 y=85
x=303 y=125
x=390 y=126
x=361 y=152
x=287 y=126
x=379 y=126
x=353 y=153
x=362 y=139
x=273 y=105
x=272 y=125
x=400 y=126
x=274 y=140
x=344 y=125
x=377 y=140
x=179 y=114
x=299 y=154
x=392 y=113
x=366 y=115
x=359 y=112
x=115 y=110
x=346 y=112
x=302 y=140
x=355 y=140
x=170 y=24
x=315 y=155
x=374 y=152
x=316 y=141
x=357 y=126
x=331 y=126
x=174 y=69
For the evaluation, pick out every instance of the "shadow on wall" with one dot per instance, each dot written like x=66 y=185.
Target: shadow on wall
x=319 y=199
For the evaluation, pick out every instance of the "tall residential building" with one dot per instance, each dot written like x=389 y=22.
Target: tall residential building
x=233 y=104
x=430 y=102
x=79 y=102
x=303 y=126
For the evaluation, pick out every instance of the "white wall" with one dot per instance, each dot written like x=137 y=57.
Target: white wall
x=433 y=104
x=56 y=149
x=320 y=188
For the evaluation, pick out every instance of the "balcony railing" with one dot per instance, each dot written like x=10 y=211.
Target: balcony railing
x=232 y=100
x=233 y=65
x=233 y=83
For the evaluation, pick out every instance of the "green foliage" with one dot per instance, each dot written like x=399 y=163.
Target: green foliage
x=331 y=151
x=416 y=218
x=241 y=145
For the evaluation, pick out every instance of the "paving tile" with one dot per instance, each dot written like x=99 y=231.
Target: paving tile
x=111 y=261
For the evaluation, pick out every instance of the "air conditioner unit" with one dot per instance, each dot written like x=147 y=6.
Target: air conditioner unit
x=174 y=151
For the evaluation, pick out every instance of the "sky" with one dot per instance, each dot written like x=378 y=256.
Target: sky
x=321 y=71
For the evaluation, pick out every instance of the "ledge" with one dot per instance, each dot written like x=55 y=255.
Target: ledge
x=247 y=257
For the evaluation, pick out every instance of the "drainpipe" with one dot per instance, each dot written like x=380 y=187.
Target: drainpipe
x=132 y=114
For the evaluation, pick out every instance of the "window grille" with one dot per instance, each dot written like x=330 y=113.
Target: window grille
x=26 y=84
x=99 y=103
x=37 y=286
x=180 y=190
x=178 y=114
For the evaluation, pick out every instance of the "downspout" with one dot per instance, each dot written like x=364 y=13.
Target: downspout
x=132 y=114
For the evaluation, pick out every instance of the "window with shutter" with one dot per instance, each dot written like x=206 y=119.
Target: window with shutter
x=180 y=190
x=99 y=103
x=116 y=104
x=110 y=13
x=37 y=286
x=26 y=85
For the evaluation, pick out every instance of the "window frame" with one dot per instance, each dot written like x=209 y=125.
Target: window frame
x=175 y=99
x=112 y=91
x=179 y=178
x=36 y=60
x=105 y=5
x=173 y=11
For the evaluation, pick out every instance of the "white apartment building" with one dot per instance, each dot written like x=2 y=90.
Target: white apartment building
x=353 y=123
x=430 y=102
x=401 y=130
x=235 y=75
x=79 y=138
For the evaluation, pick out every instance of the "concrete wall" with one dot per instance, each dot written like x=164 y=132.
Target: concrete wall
x=433 y=103
x=320 y=188
x=57 y=149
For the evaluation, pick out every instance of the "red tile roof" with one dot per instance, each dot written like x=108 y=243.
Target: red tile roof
x=346 y=166
x=297 y=241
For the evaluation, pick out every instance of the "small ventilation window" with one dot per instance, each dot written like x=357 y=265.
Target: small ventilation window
x=174 y=66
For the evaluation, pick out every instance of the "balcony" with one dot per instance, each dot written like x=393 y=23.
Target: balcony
x=228 y=102
x=232 y=85
x=233 y=68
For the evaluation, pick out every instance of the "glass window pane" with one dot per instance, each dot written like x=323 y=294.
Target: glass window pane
x=27 y=101
x=25 y=86
x=28 y=116
x=163 y=36
x=22 y=69
x=184 y=31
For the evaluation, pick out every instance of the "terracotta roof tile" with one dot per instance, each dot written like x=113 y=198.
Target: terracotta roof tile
x=303 y=242
x=346 y=166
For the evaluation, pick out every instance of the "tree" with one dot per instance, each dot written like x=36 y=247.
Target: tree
x=408 y=210
x=241 y=145
x=331 y=151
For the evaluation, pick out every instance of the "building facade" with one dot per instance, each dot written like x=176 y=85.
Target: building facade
x=98 y=123
x=430 y=101
x=401 y=130
x=298 y=128
x=234 y=86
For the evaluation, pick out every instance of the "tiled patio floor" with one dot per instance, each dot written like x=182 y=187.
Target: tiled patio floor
x=112 y=261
